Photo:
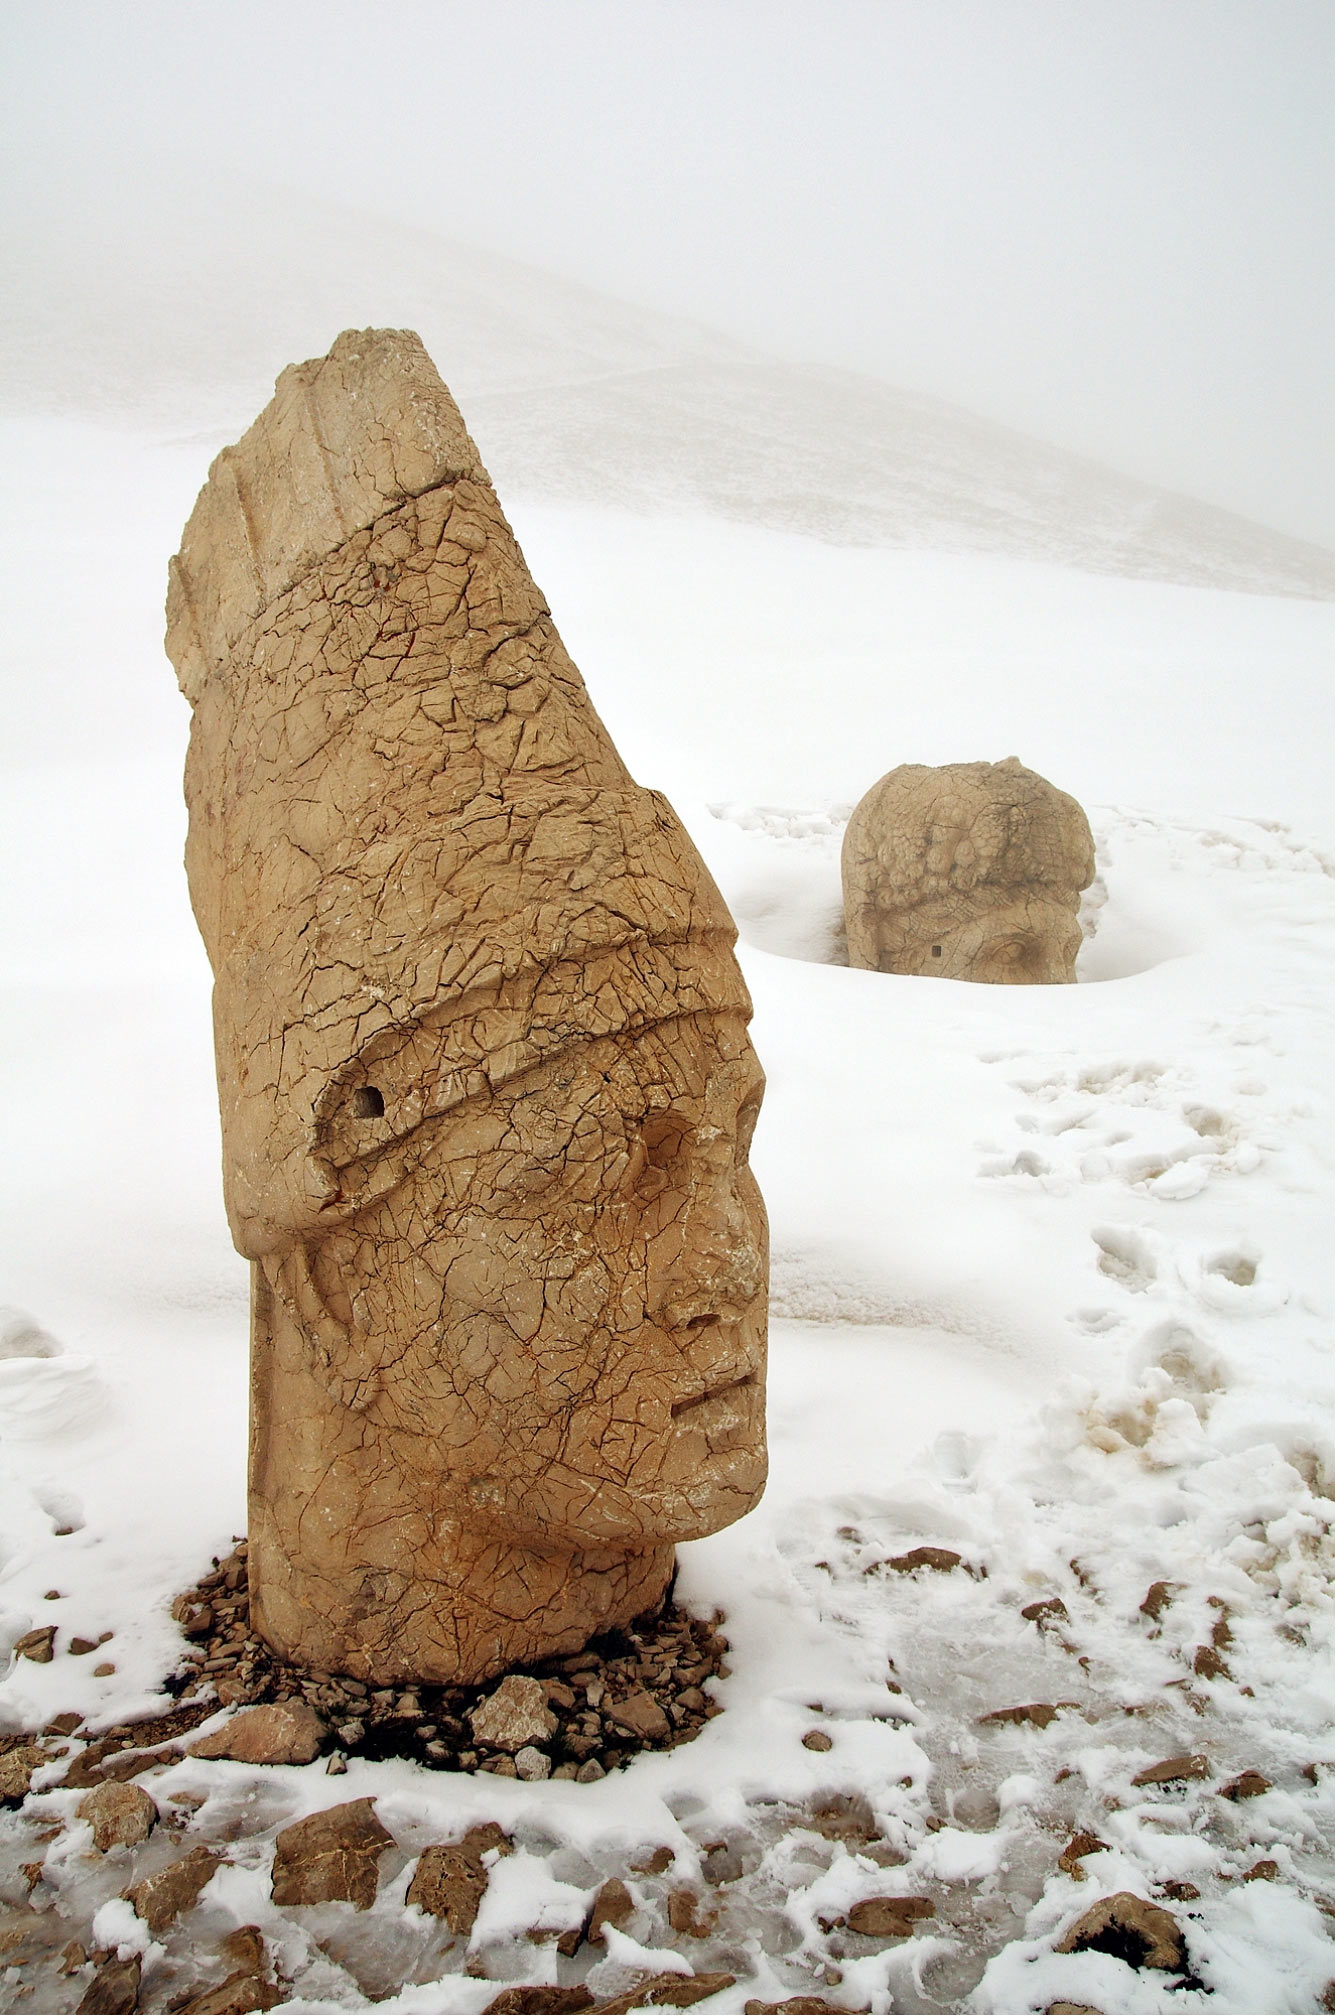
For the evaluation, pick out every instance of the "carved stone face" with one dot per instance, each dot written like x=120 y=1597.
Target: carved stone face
x=1002 y=937
x=556 y=1322
x=970 y=872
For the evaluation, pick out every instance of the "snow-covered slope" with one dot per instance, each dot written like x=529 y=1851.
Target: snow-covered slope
x=182 y=311
x=1051 y=1275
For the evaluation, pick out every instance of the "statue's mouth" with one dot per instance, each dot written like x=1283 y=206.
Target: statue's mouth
x=726 y=1390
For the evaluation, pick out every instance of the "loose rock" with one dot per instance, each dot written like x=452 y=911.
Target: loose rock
x=450 y=1882
x=1173 y=1770
x=114 y=1989
x=889 y=1916
x=1075 y=1850
x=613 y=1905
x=1251 y=1784
x=290 y=1731
x=239 y=1994
x=1131 y=1929
x=332 y=1857
x=38 y=1645
x=1037 y=1713
x=161 y=1898
x=16 y=1772
x=938 y=1558
x=817 y=1739
x=533 y=1765
x=640 y=1714
x=121 y=1815
x=514 y=1717
x=668 y=1990
x=539 y=2001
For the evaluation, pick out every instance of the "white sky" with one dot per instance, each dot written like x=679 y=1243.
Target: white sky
x=1107 y=222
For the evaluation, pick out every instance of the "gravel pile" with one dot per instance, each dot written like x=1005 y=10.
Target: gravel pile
x=627 y=1691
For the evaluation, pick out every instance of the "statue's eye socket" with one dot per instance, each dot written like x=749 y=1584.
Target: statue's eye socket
x=368 y=1102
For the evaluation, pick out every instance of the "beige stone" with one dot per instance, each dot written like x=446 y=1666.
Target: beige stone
x=121 y=1815
x=484 y=1075
x=286 y=1731
x=450 y=1882
x=972 y=871
x=17 y=1767
x=512 y=1717
x=159 y=1899
x=332 y=1857
x=1125 y=1925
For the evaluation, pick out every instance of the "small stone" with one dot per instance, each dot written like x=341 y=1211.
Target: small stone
x=1251 y=1784
x=16 y=1772
x=114 y=1989
x=590 y=1772
x=939 y=1559
x=539 y=2001
x=533 y=1765
x=558 y=1695
x=692 y=1699
x=889 y=1916
x=284 y=1732
x=668 y=1990
x=241 y=1994
x=161 y=1898
x=658 y=1863
x=1075 y=1850
x=64 y=1724
x=1157 y=1600
x=1180 y=1892
x=640 y=1715
x=1036 y=1714
x=686 y=1916
x=1173 y=1770
x=816 y=1738
x=796 y=2004
x=450 y=1882
x=79 y=1647
x=246 y=1950
x=1130 y=1929
x=1047 y=1614
x=1207 y=1664
x=514 y=1717
x=104 y=1670
x=38 y=1645
x=337 y=1765
x=72 y=1957
x=613 y=1905
x=1071 y=2008
x=332 y=1857
x=1262 y=1871
x=121 y=1815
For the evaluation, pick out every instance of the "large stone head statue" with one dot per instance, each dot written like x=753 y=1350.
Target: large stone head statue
x=971 y=872
x=483 y=1063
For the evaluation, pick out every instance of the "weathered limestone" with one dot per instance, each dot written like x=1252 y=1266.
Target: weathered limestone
x=971 y=872
x=484 y=1075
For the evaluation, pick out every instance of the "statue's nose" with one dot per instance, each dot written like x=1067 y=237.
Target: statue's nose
x=724 y=1256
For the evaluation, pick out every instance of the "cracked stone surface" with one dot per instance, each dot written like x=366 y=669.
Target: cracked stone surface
x=484 y=1075
x=972 y=871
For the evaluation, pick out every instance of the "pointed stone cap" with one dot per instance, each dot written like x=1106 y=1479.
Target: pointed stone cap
x=345 y=439
x=418 y=863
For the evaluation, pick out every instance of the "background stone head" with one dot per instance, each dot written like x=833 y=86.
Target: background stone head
x=484 y=1075
x=967 y=871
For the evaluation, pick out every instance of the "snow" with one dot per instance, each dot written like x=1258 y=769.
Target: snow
x=1052 y=1281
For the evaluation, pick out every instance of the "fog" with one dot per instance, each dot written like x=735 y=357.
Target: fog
x=1110 y=225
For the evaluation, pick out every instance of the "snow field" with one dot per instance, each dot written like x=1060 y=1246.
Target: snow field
x=1051 y=1282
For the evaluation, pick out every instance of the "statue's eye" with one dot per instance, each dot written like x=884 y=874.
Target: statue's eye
x=656 y=1149
x=368 y=1102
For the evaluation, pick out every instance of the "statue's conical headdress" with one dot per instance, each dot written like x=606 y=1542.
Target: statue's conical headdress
x=417 y=861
